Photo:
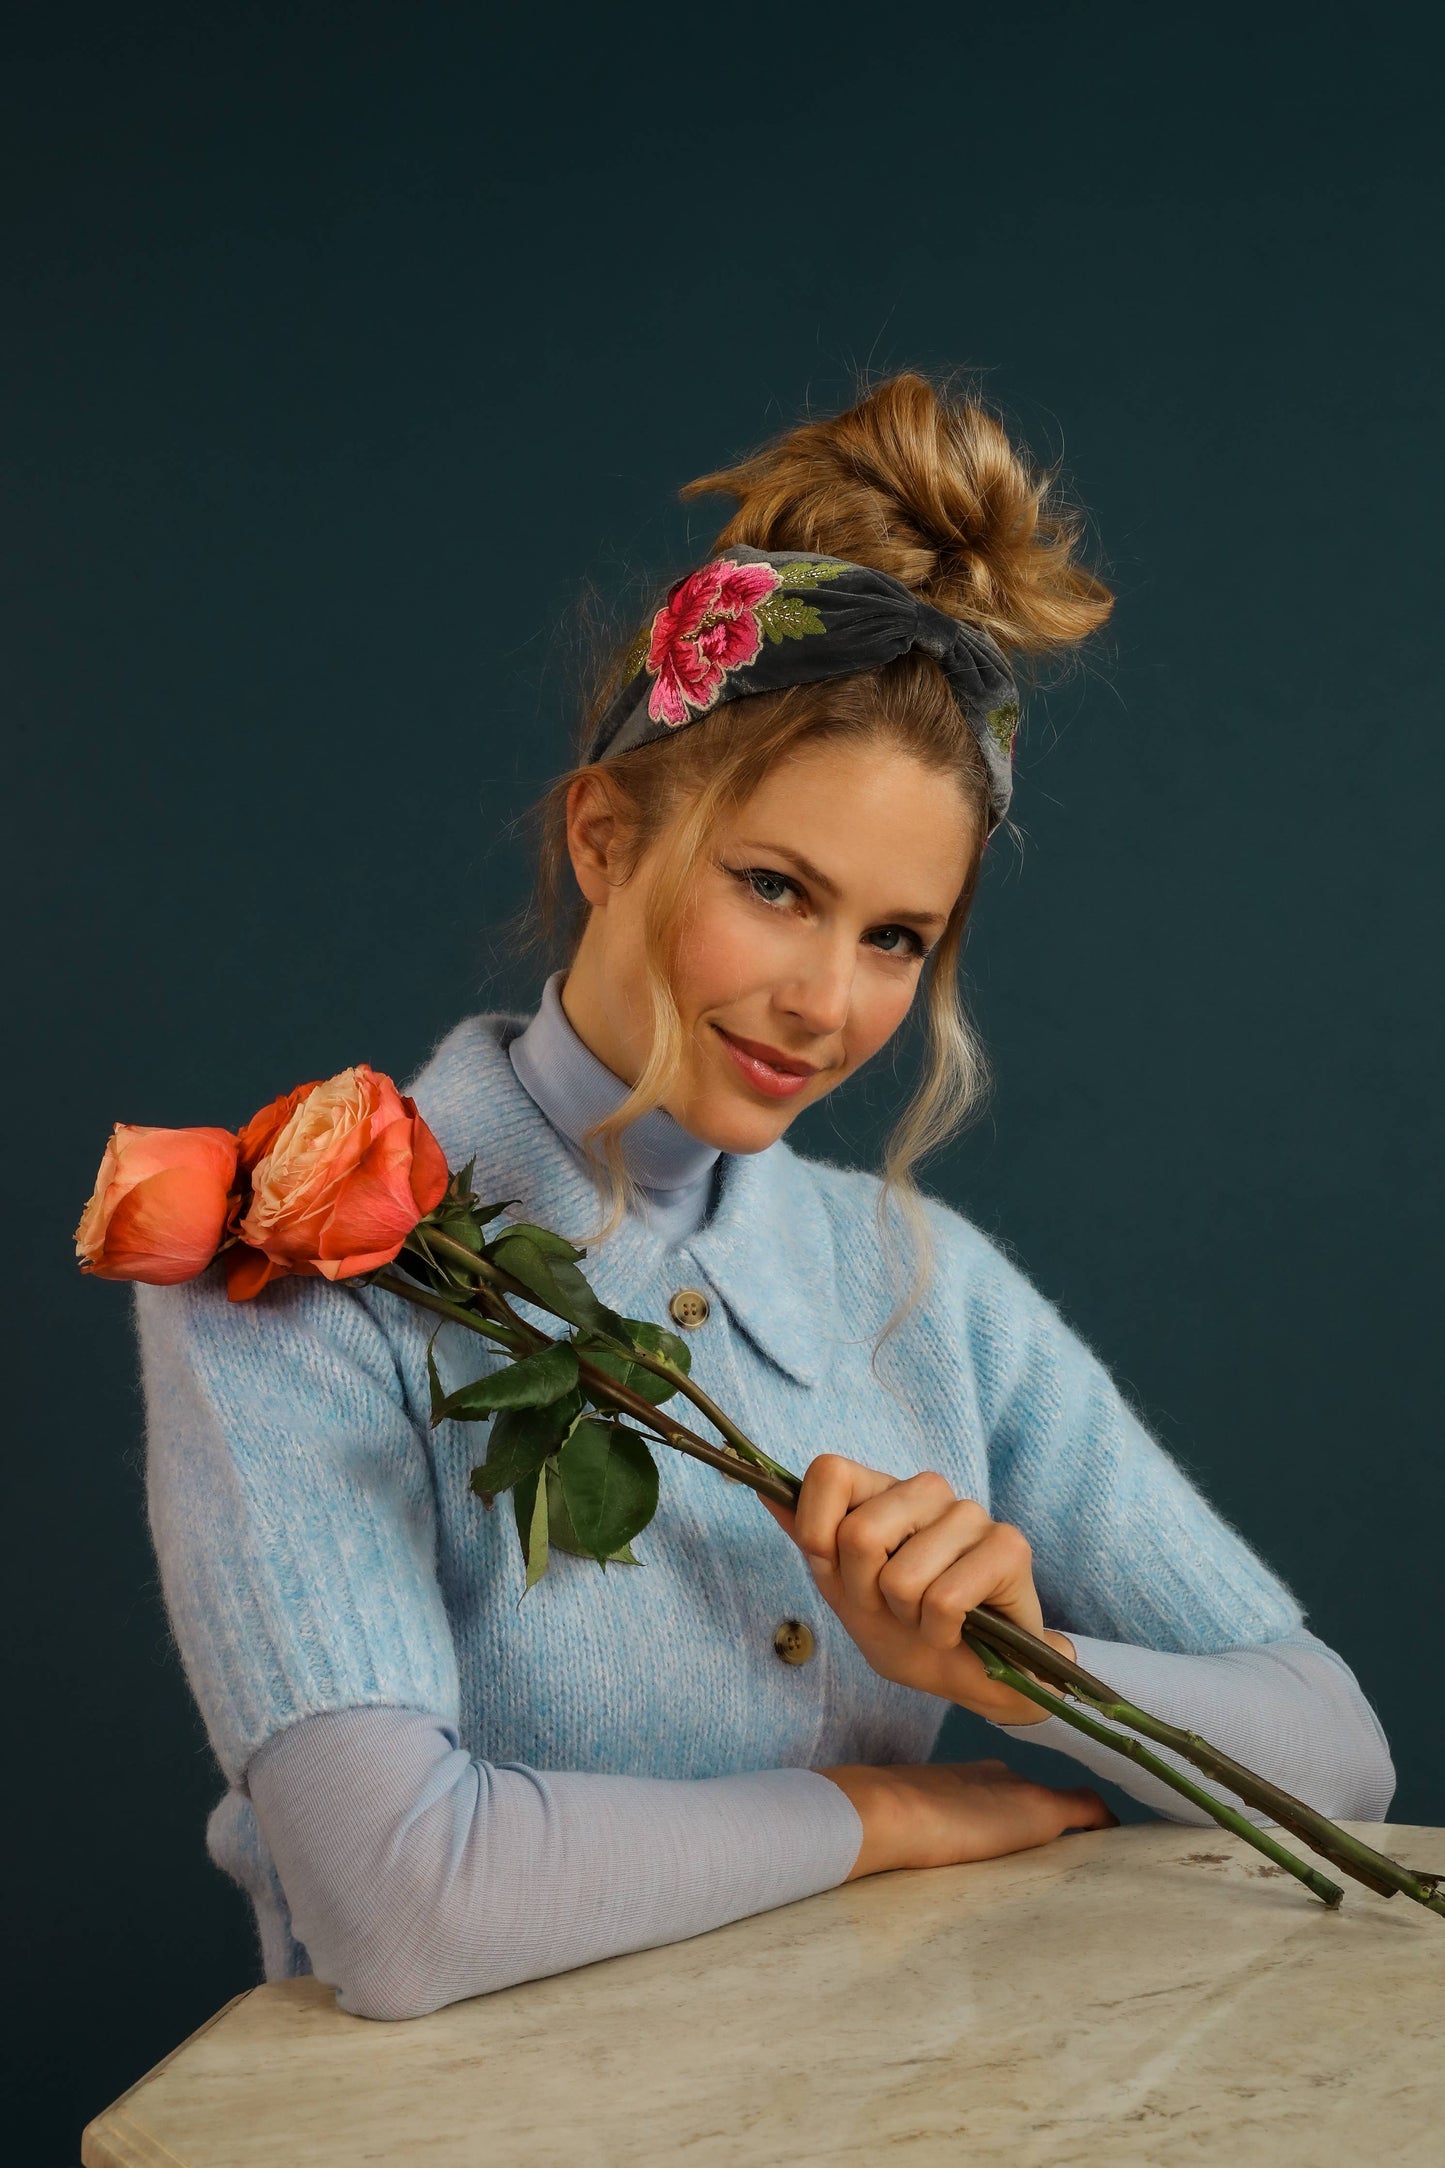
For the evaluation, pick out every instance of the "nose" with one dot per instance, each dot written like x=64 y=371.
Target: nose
x=819 y=996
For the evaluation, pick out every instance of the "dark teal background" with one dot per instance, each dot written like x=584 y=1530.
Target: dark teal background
x=344 y=347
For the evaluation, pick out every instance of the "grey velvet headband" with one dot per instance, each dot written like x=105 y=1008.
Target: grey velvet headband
x=754 y=621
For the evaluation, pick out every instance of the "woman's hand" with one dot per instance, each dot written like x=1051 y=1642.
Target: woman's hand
x=943 y=1813
x=900 y=1560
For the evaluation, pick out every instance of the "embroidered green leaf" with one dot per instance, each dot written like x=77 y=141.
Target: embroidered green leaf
x=609 y=1485
x=520 y=1440
x=1003 y=723
x=636 y=656
x=534 y=1382
x=809 y=575
x=783 y=617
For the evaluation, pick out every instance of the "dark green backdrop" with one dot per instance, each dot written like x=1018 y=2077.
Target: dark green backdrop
x=344 y=344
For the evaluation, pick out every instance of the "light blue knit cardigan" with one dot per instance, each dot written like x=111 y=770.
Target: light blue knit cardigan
x=319 y=1546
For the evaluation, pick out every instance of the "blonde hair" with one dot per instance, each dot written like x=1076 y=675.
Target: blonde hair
x=921 y=482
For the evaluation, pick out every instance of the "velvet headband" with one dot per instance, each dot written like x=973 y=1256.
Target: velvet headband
x=754 y=621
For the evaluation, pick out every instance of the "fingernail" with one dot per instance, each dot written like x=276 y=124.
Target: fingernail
x=818 y=1563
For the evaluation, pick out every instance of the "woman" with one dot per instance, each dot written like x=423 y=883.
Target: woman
x=776 y=828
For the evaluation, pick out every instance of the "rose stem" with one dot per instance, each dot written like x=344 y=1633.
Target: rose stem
x=999 y=1668
x=1344 y=1851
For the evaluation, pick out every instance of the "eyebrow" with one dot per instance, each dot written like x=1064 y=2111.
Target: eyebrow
x=821 y=880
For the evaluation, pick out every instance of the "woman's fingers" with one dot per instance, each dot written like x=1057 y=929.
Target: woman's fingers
x=997 y=1571
x=909 y=1546
x=946 y=1814
x=976 y=1557
x=909 y=1534
x=901 y=1561
x=832 y=1487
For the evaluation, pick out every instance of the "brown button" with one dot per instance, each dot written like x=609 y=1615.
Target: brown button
x=794 y=1641
x=689 y=1306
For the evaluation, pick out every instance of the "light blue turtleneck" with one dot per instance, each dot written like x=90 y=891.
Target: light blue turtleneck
x=574 y=1089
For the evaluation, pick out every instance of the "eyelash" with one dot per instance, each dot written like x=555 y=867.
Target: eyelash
x=749 y=876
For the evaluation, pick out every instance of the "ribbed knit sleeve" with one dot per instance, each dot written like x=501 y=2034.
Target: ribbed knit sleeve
x=292 y=1509
x=1126 y=1547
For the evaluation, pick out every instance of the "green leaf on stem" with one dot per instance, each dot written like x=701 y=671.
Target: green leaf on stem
x=417 y=1262
x=542 y=1238
x=534 y=1382
x=530 y=1502
x=438 y=1397
x=564 y=1536
x=457 y=1222
x=520 y=1440
x=609 y=1485
x=484 y=1212
x=604 y=1357
x=657 y=1340
x=554 y=1283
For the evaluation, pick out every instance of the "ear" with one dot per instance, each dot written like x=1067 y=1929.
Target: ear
x=594 y=837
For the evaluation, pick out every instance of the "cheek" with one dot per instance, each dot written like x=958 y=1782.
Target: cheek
x=880 y=1003
x=727 y=954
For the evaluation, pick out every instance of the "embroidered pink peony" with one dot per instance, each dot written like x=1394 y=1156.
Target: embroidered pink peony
x=707 y=626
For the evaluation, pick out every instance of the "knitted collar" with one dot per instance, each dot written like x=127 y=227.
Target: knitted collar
x=767 y=1250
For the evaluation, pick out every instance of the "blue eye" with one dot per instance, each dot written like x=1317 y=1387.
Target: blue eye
x=753 y=878
x=915 y=946
x=755 y=874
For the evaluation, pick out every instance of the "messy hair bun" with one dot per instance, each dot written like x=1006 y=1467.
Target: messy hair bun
x=929 y=488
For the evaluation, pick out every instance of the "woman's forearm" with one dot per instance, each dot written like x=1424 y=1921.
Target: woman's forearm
x=417 y=1875
x=1290 y=1709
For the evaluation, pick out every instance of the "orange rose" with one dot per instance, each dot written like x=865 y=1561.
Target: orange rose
x=159 y=1207
x=345 y=1170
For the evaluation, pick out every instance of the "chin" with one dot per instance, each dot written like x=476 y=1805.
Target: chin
x=734 y=1127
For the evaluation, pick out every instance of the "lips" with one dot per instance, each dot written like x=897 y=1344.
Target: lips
x=767 y=1068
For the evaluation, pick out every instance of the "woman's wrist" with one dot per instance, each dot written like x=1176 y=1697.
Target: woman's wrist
x=1024 y=1710
x=872 y=1797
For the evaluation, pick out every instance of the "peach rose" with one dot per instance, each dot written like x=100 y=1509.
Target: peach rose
x=345 y=1170
x=256 y=1137
x=159 y=1208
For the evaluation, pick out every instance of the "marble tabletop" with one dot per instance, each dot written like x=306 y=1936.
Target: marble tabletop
x=1142 y=1997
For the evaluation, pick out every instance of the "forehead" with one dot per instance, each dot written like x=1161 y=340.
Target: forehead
x=863 y=813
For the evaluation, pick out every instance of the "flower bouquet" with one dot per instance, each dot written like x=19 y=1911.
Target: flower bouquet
x=344 y=1181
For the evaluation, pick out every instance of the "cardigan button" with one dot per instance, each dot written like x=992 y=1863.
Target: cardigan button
x=690 y=1307
x=793 y=1641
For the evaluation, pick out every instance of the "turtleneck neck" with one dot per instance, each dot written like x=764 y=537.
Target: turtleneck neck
x=574 y=1089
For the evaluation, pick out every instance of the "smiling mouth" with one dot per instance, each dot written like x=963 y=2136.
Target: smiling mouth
x=765 y=1074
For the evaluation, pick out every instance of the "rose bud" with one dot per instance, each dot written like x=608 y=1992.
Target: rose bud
x=159 y=1207
x=344 y=1177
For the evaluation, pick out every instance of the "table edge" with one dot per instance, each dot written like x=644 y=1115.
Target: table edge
x=123 y=2144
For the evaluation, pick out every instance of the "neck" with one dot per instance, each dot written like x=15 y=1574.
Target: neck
x=574 y=1089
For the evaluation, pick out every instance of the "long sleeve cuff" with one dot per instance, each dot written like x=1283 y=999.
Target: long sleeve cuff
x=1291 y=1710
